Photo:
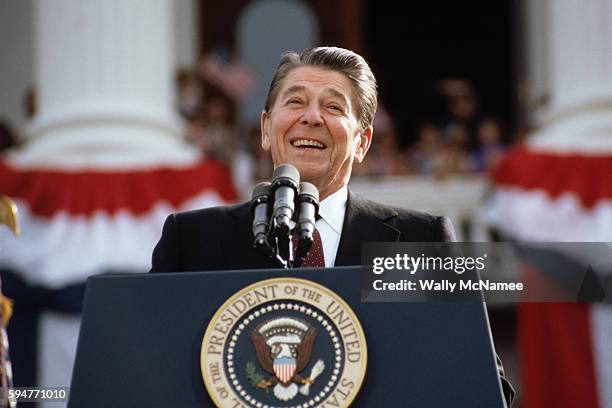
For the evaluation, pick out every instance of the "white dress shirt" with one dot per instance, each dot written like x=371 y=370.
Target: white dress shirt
x=331 y=211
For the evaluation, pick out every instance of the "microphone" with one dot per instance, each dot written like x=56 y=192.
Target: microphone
x=309 y=208
x=285 y=181
x=260 y=209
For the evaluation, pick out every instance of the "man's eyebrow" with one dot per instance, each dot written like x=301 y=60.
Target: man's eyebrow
x=293 y=89
x=338 y=94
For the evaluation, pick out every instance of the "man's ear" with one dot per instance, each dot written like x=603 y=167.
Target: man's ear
x=362 y=143
x=265 y=135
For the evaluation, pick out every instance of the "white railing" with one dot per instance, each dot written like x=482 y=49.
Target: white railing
x=458 y=197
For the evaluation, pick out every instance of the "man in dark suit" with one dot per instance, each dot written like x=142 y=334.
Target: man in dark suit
x=318 y=117
x=218 y=238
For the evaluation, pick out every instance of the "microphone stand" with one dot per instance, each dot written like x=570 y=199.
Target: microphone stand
x=261 y=211
x=274 y=206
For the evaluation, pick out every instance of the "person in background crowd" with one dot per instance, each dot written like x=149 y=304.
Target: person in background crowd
x=385 y=157
x=426 y=155
x=190 y=93
x=461 y=111
x=212 y=132
x=455 y=156
x=490 y=150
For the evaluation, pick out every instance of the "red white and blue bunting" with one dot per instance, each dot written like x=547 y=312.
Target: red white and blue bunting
x=559 y=196
x=76 y=222
x=80 y=223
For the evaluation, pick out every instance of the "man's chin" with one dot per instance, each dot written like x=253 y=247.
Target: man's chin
x=309 y=174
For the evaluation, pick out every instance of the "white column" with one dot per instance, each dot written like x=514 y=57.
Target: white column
x=578 y=116
x=104 y=79
x=186 y=35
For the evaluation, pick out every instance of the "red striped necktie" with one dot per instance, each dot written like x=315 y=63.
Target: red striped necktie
x=315 y=257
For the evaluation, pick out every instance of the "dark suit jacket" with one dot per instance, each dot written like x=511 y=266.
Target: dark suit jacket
x=220 y=238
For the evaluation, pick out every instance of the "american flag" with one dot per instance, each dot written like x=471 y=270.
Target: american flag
x=233 y=78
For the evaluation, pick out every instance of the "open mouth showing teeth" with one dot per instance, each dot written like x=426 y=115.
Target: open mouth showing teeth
x=307 y=143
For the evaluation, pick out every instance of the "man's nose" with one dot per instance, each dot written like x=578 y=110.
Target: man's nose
x=312 y=116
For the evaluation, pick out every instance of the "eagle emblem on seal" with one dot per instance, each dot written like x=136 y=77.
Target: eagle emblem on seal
x=283 y=347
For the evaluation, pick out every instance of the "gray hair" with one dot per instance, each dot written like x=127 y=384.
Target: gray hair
x=353 y=65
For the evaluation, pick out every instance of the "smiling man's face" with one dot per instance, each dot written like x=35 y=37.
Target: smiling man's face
x=313 y=125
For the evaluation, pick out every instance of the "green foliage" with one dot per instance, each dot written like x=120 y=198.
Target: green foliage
x=254 y=376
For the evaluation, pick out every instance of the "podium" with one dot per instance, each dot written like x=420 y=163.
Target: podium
x=141 y=339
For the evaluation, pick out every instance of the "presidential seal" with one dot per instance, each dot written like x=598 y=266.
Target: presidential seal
x=284 y=342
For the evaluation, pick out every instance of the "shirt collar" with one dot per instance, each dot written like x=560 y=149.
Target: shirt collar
x=333 y=207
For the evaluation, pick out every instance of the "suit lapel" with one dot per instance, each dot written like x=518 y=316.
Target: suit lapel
x=364 y=221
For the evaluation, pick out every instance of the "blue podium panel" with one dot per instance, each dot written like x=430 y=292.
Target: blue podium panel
x=141 y=335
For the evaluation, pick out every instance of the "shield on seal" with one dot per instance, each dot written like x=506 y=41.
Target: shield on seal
x=284 y=368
